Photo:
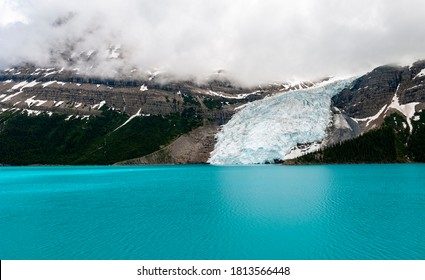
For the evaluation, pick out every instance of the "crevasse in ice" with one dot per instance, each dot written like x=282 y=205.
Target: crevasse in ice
x=267 y=129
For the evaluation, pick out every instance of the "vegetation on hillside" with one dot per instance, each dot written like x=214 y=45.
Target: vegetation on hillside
x=390 y=143
x=416 y=144
x=45 y=139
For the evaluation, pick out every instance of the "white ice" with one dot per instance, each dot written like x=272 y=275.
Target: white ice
x=32 y=112
x=59 y=103
x=408 y=110
x=269 y=128
x=19 y=85
x=48 y=84
x=421 y=74
x=34 y=102
x=30 y=85
x=238 y=96
x=372 y=118
x=10 y=96
x=138 y=114
x=100 y=105
x=50 y=73
x=143 y=88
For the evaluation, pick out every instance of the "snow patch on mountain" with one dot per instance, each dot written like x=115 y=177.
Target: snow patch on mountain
x=421 y=74
x=59 y=103
x=408 y=110
x=48 y=83
x=99 y=106
x=34 y=102
x=268 y=129
x=372 y=118
x=301 y=150
x=30 y=85
x=238 y=96
x=19 y=85
x=7 y=98
x=138 y=114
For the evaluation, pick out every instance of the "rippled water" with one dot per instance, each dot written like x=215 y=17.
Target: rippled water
x=212 y=212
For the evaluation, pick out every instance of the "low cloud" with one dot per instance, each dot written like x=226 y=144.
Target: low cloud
x=253 y=41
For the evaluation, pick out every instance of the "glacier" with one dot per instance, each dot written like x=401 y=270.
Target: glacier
x=268 y=129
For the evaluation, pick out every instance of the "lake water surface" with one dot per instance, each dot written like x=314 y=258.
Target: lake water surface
x=213 y=212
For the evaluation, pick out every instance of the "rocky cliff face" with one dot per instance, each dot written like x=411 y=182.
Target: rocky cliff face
x=67 y=92
x=385 y=90
x=341 y=128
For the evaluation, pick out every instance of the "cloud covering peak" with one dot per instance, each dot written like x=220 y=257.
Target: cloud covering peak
x=254 y=41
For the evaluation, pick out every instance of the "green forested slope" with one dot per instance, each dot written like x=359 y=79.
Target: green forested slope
x=53 y=140
x=390 y=143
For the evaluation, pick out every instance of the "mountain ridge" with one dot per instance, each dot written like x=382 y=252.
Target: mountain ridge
x=355 y=110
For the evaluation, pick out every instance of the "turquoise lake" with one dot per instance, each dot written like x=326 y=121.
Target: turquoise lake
x=213 y=212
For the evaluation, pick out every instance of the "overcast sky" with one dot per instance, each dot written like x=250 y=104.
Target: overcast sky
x=253 y=40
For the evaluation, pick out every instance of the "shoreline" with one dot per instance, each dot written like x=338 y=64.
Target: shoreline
x=207 y=164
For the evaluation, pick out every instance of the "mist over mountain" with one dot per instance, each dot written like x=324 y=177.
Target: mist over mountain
x=253 y=41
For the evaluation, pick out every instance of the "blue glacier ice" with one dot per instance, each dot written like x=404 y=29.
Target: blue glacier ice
x=269 y=128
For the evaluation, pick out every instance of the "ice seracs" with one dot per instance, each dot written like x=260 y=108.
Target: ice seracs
x=270 y=128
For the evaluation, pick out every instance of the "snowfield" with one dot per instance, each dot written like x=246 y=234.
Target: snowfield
x=269 y=128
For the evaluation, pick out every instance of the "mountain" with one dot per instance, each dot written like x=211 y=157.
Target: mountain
x=385 y=90
x=65 y=116
x=267 y=130
x=290 y=125
x=59 y=116
x=386 y=107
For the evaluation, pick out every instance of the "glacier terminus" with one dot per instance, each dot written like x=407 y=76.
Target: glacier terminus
x=268 y=129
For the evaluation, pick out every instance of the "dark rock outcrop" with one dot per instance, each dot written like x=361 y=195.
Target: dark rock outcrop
x=370 y=92
x=383 y=91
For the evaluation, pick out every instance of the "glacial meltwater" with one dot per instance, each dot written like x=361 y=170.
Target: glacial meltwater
x=213 y=212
